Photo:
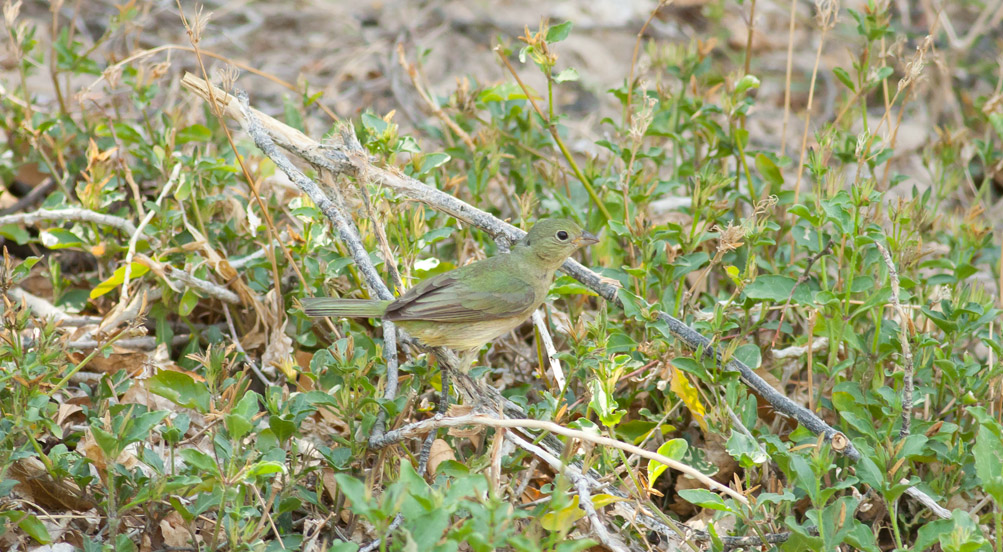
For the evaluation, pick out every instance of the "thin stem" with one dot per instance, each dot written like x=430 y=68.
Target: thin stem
x=557 y=139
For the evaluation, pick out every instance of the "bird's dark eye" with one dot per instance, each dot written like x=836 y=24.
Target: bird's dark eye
x=562 y=235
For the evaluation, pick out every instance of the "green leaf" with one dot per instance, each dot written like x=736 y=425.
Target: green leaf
x=34 y=529
x=774 y=287
x=501 y=92
x=749 y=354
x=374 y=123
x=59 y=238
x=107 y=441
x=260 y=469
x=604 y=405
x=805 y=476
x=139 y=427
x=116 y=279
x=193 y=133
x=802 y=211
x=769 y=170
x=16 y=233
x=124 y=543
x=432 y=160
x=436 y=235
x=559 y=32
x=184 y=188
x=342 y=546
x=240 y=421
x=883 y=73
x=745 y=449
x=988 y=456
x=283 y=427
x=704 y=499
x=569 y=74
x=181 y=389
x=198 y=460
x=674 y=449
x=189 y=300
x=563 y=519
x=566 y=285
x=355 y=491
x=632 y=304
x=869 y=473
x=747 y=82
x=844 y=78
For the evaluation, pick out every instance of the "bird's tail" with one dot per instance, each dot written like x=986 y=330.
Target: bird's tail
x=347 y=308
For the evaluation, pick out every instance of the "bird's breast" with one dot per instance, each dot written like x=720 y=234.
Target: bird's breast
x=456 y=335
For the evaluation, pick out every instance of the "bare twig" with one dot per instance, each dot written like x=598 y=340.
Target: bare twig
x=549 y=349
x=530 y=472
x=787 y=80
x=337 y=160
x=334 y=210
x=581 y=484
x=69 y=215
x=826 y=18
x=206 y=287
x=145 y=343
x=175 y=177
x=424 y=426
x=905 y=324
x=552 y=128
x=118 y=67
x=412 y=72
x=928 y=501
x=627 y=112
x=123 y=313
x=41 y=307
x=795 y=351
x=247 y=358
x=975 y=30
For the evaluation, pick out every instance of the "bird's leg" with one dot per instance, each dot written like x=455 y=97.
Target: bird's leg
x=444 y=396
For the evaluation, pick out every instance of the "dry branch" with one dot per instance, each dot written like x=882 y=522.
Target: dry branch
x=904 y=324
x=424 y=426
x=337 y=160
x=348 y=158
x=69 y=215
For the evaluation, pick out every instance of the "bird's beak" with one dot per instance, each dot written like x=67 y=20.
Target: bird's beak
x=587 y=238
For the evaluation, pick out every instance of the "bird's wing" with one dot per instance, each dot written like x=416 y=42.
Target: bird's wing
x=486 y=290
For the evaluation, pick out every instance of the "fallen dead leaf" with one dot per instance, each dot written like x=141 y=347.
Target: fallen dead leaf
x=174 y=531
x=440 y=452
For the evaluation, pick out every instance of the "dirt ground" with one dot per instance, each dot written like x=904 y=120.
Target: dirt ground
x=348 y=51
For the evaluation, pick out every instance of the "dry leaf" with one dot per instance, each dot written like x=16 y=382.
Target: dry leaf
x=36 y=484
x=440 y=452
x=173 y=531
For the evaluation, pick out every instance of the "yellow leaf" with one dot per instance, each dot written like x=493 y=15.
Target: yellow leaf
x=601 y=500
x=563 y=519
x=689 y=395
x=138 y=269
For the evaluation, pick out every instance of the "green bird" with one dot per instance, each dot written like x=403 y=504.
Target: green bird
x=472 y=305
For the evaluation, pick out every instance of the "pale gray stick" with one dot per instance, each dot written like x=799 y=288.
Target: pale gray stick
x=333 y=208
x=335 y=159
x=904 y=321
x=69 y=215
x=581 y=482
x=174 y=178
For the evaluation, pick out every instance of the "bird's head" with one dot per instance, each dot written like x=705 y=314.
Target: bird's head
x=553 y=240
